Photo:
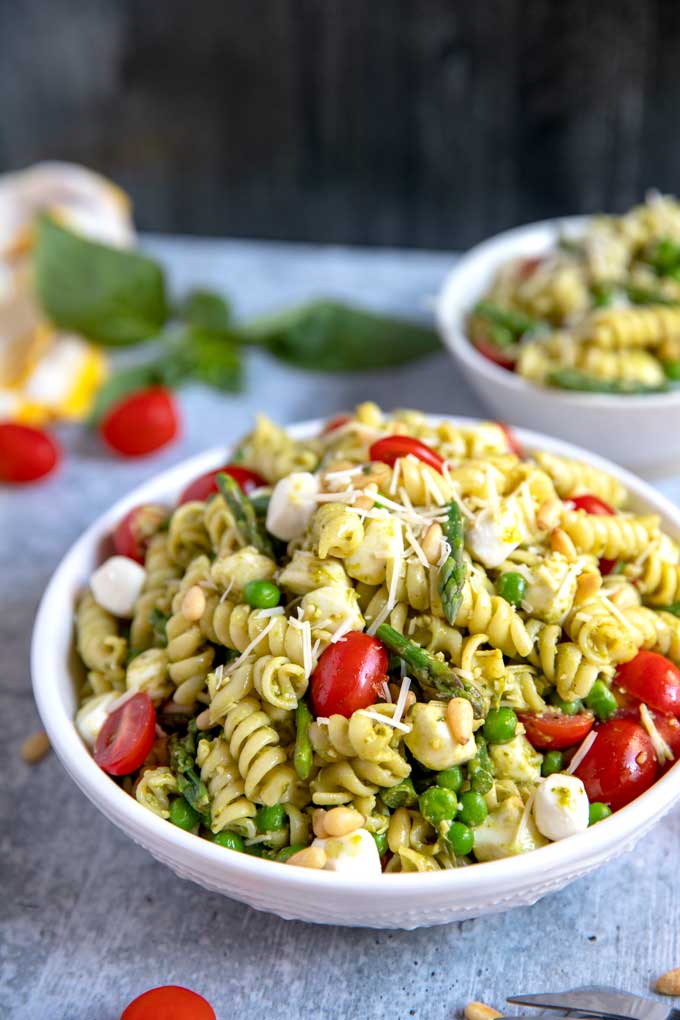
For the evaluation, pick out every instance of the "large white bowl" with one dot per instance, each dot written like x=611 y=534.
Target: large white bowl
x=394 y=901
x=641 y=432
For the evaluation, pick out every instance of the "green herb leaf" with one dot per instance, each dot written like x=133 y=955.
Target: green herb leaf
x=206 y=310
x=331 y=337
x=572 y=379
x=109 y=295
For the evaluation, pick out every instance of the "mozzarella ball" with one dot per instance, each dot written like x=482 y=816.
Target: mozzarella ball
x=92 y=715
x=292 y=504
x=561 y=807
x=355 y=854
x=116 y=585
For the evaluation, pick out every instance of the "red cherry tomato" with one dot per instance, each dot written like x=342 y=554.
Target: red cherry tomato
x=141 y=423
x=335 y=423
x=26 y=454
x=620 y=765
x=594 y=505
x=127 y=736
x=653 y=679
x=206 y=484
x=391 y=448
x=528 y=267
x=512 y=441
x=552 y=732
x=347 y=675
x=132 y=533
x=169 y=1002
x=495 y=354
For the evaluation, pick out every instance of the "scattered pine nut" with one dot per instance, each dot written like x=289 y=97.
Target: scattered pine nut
x=35 y=747
x=367 y=498
x=203 y=719
x=480 y=1011
x=460 y=719
x=432 y=543
x=340 y=821
x=319 y=823
x=548 y=514
x=193 y=604
x=561 y=543
x=587 y=585
x=310 y=857
x=669 y=983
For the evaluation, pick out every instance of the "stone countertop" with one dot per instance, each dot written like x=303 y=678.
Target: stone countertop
x=89 y=920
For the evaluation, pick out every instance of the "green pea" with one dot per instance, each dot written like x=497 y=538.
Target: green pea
x=183 y=815
x=402 y=795
x=269 y=819
x=230 y=841
x=672 y=369
x=381 y=842
x=262 y=594
x=473 y=809
x=511 y=587
x=601 y=701
x=288 y=851
x=566 y=707
x=553 y=761
x=597 y=811
x=438 y=805
x=460 y=838
x=257 y=850
x=500 y=725
x=451 y=779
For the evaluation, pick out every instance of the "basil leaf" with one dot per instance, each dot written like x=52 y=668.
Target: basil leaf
x=332 y=337
x=206 y=310
x=109 y=295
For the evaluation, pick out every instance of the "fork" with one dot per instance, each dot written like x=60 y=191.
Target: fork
x=597 y=1002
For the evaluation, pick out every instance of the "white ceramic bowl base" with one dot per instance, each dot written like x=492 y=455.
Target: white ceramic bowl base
x=640 y=432
x=394 y=901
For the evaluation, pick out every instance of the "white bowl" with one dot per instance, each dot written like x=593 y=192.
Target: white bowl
x=394 y=901
x=641 y=432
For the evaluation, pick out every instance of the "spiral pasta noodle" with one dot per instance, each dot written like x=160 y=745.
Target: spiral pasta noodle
x=262 y=762
x=572 y=477
x=229 y=808
x=100 y=646
x=160 y=585
x=611 y=537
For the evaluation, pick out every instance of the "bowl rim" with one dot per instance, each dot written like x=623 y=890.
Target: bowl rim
x=452 y=308
x=561 y=858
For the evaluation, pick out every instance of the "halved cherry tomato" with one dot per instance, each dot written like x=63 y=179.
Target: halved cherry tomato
x=335 y=423
x=347 y=675
x=127 y=736
x=391 y=448
x=169 y=1002
x=141 y=423
x=620 y=765
x=552 y=732
x=206 y=484
x=26 y=454
x=495 y=354
x=131 y=534
x=595 y=505
x=653 y=679
x=512 y=441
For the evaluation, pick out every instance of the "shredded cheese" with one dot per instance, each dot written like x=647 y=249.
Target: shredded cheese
x=345 y=627
x=304 y=627
x=394 y=480
x=401 y=700
x=121 y=700
x=264 y=614
x=231 y=666
x=225 y=593
x=397 y=568
x=417 y=548
x=397 y=724
x=581 y=753
x=386 y=692
x=661 y=749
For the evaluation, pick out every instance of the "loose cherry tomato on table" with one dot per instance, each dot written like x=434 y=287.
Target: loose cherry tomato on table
x=169 y=1002
x=511 y=439
x=348 y=674
x=653 y=679
x=391 y=448
x=26 y=454
x=127 y=736
x=132 y=533
x=551 y=732
x=205 y=485
x=594 y=505
x=335 y=423
x=620 y=765
x=141 y=423
x=495 y=354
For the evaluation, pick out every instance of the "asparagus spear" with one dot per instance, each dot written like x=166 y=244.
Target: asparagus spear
x=401 y=795
x=246 y=519
x=302 y=756
x=452 y=570
x=572 y=379
x=516 y=323
x=480 y=769
x=189 y=783
x=430 y=671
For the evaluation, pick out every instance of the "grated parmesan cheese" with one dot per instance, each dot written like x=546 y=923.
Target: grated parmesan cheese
x=231 y=666
x=581 y=753
x=397 y=724
x=661 y=749
x=401 y=700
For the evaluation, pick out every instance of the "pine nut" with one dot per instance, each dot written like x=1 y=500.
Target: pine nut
x=561 y=543
x=193 y=603
x=460 y=719
x=340 y=821
x=669 y=983
x=310 y=857
x=203 y=719
x=319 y=823
x=432 y=543
x=380 y=474
x=367 y=499
x=548 y=514
x=587 y=585
x=480 y=1011
x=35 y=747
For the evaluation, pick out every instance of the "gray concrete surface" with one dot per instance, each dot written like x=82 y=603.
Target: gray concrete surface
x=89 y=920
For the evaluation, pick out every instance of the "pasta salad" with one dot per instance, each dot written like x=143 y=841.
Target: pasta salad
x=394 y=646
x=600 y=312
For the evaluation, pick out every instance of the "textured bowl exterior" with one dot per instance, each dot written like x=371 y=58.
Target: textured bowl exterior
x=642 y=432
x=395 y=901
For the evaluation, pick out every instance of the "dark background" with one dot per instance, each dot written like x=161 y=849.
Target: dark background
x=429 y=123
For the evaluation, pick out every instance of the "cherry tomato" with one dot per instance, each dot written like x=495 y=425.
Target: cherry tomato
x=495 y=354
x=127 y=736
x=653 y=679
x=669 y=729
x=131 y=534
x=620 y=765
x=141 y=423
x=528 y=267
x=391 y=448
x=169 y=1002
x=347 y=675
x=206 y=484
x=595 y=505
x=552 y=732
x=335 y=423
x=26 y=454
x=512 y=441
